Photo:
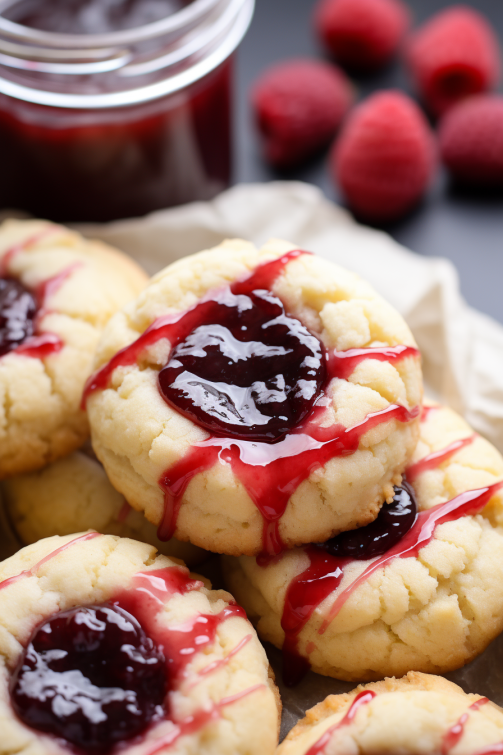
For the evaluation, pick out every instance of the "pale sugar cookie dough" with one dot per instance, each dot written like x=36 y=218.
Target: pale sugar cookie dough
x=431 y=602
x=158 y=457
x=416 y=715
x=57 y=292
x=74 y=494
x=104 y=644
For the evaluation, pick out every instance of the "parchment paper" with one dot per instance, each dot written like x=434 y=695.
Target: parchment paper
x=462 y=349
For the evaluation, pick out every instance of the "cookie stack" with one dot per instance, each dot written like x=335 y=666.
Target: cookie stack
x=266 y=405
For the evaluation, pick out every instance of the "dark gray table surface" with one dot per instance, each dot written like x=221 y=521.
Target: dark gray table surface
x=466 y=229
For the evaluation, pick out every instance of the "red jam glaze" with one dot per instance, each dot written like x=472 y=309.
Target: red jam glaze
x=9 y=255
x=362 y=698
x=456 y=732
x=343 y=363
x=193 y=724
x=325 y=572
x=305 y=592
x=435 y=459
x=270 y=472
x=34 y=569
x=149 y=592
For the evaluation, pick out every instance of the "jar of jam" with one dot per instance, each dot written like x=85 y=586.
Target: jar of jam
x=114 y=108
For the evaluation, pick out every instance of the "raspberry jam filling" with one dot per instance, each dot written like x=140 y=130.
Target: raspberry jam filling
x=393 y=521
x=258 y=381
x=18 y=309
x=248 y=370
x=90 y=676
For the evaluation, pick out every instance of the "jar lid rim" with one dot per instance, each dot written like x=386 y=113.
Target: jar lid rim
x=182 y=18
x=149 y=92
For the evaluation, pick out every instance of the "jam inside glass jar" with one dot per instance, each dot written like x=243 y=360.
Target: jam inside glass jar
x=101 y=118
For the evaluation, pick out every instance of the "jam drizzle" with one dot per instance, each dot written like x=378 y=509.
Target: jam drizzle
x=270 y=474
x=362 y=698
x=21 y=246
x=270 y=471
x=435 y=459
x=34 y=569
x=325 y=573
x=149 y=592
x=455 y=733
x=193 y=724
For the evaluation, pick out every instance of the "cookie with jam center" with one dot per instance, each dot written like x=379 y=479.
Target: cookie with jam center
x=57 y=292
x=107 y=646
x=416 y=714
x=419 y=588
x=252 y=400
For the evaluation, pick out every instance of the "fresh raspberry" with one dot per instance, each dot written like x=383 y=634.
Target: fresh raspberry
x=299 y=105
x=453 y=55
x=384 y=157
x=471 y=141
x=361 y=34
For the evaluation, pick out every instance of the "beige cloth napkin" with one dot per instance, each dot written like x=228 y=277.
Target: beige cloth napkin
x=462 y=349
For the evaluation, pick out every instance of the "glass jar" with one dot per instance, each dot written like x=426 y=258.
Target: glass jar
x=95 y=127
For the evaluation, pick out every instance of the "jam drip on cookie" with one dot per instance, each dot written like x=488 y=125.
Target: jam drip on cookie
x=91 y=676
x=325 y=572
x=258 y=381
x=362 y=698
x=18 y=309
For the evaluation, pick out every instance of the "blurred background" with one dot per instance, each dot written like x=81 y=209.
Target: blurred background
x=466 y=228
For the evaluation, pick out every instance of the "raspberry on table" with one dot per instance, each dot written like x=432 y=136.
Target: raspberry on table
x=361 y=34
x=471 y=142
x=385 y=157
x=455 y=54
x=299 y=104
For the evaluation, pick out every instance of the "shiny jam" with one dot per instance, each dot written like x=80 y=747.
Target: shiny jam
x=90 y=676
x=455 y=733
x=325 y=573
x=248 y=370
x=17 y=314
x=392 y=522
x=293 y=443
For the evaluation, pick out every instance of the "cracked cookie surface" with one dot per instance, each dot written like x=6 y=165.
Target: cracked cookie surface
x=417 y=714
x=78 y=286
x=432 y=611
x=221 y=697
x=140 y=439
x=73 y=494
